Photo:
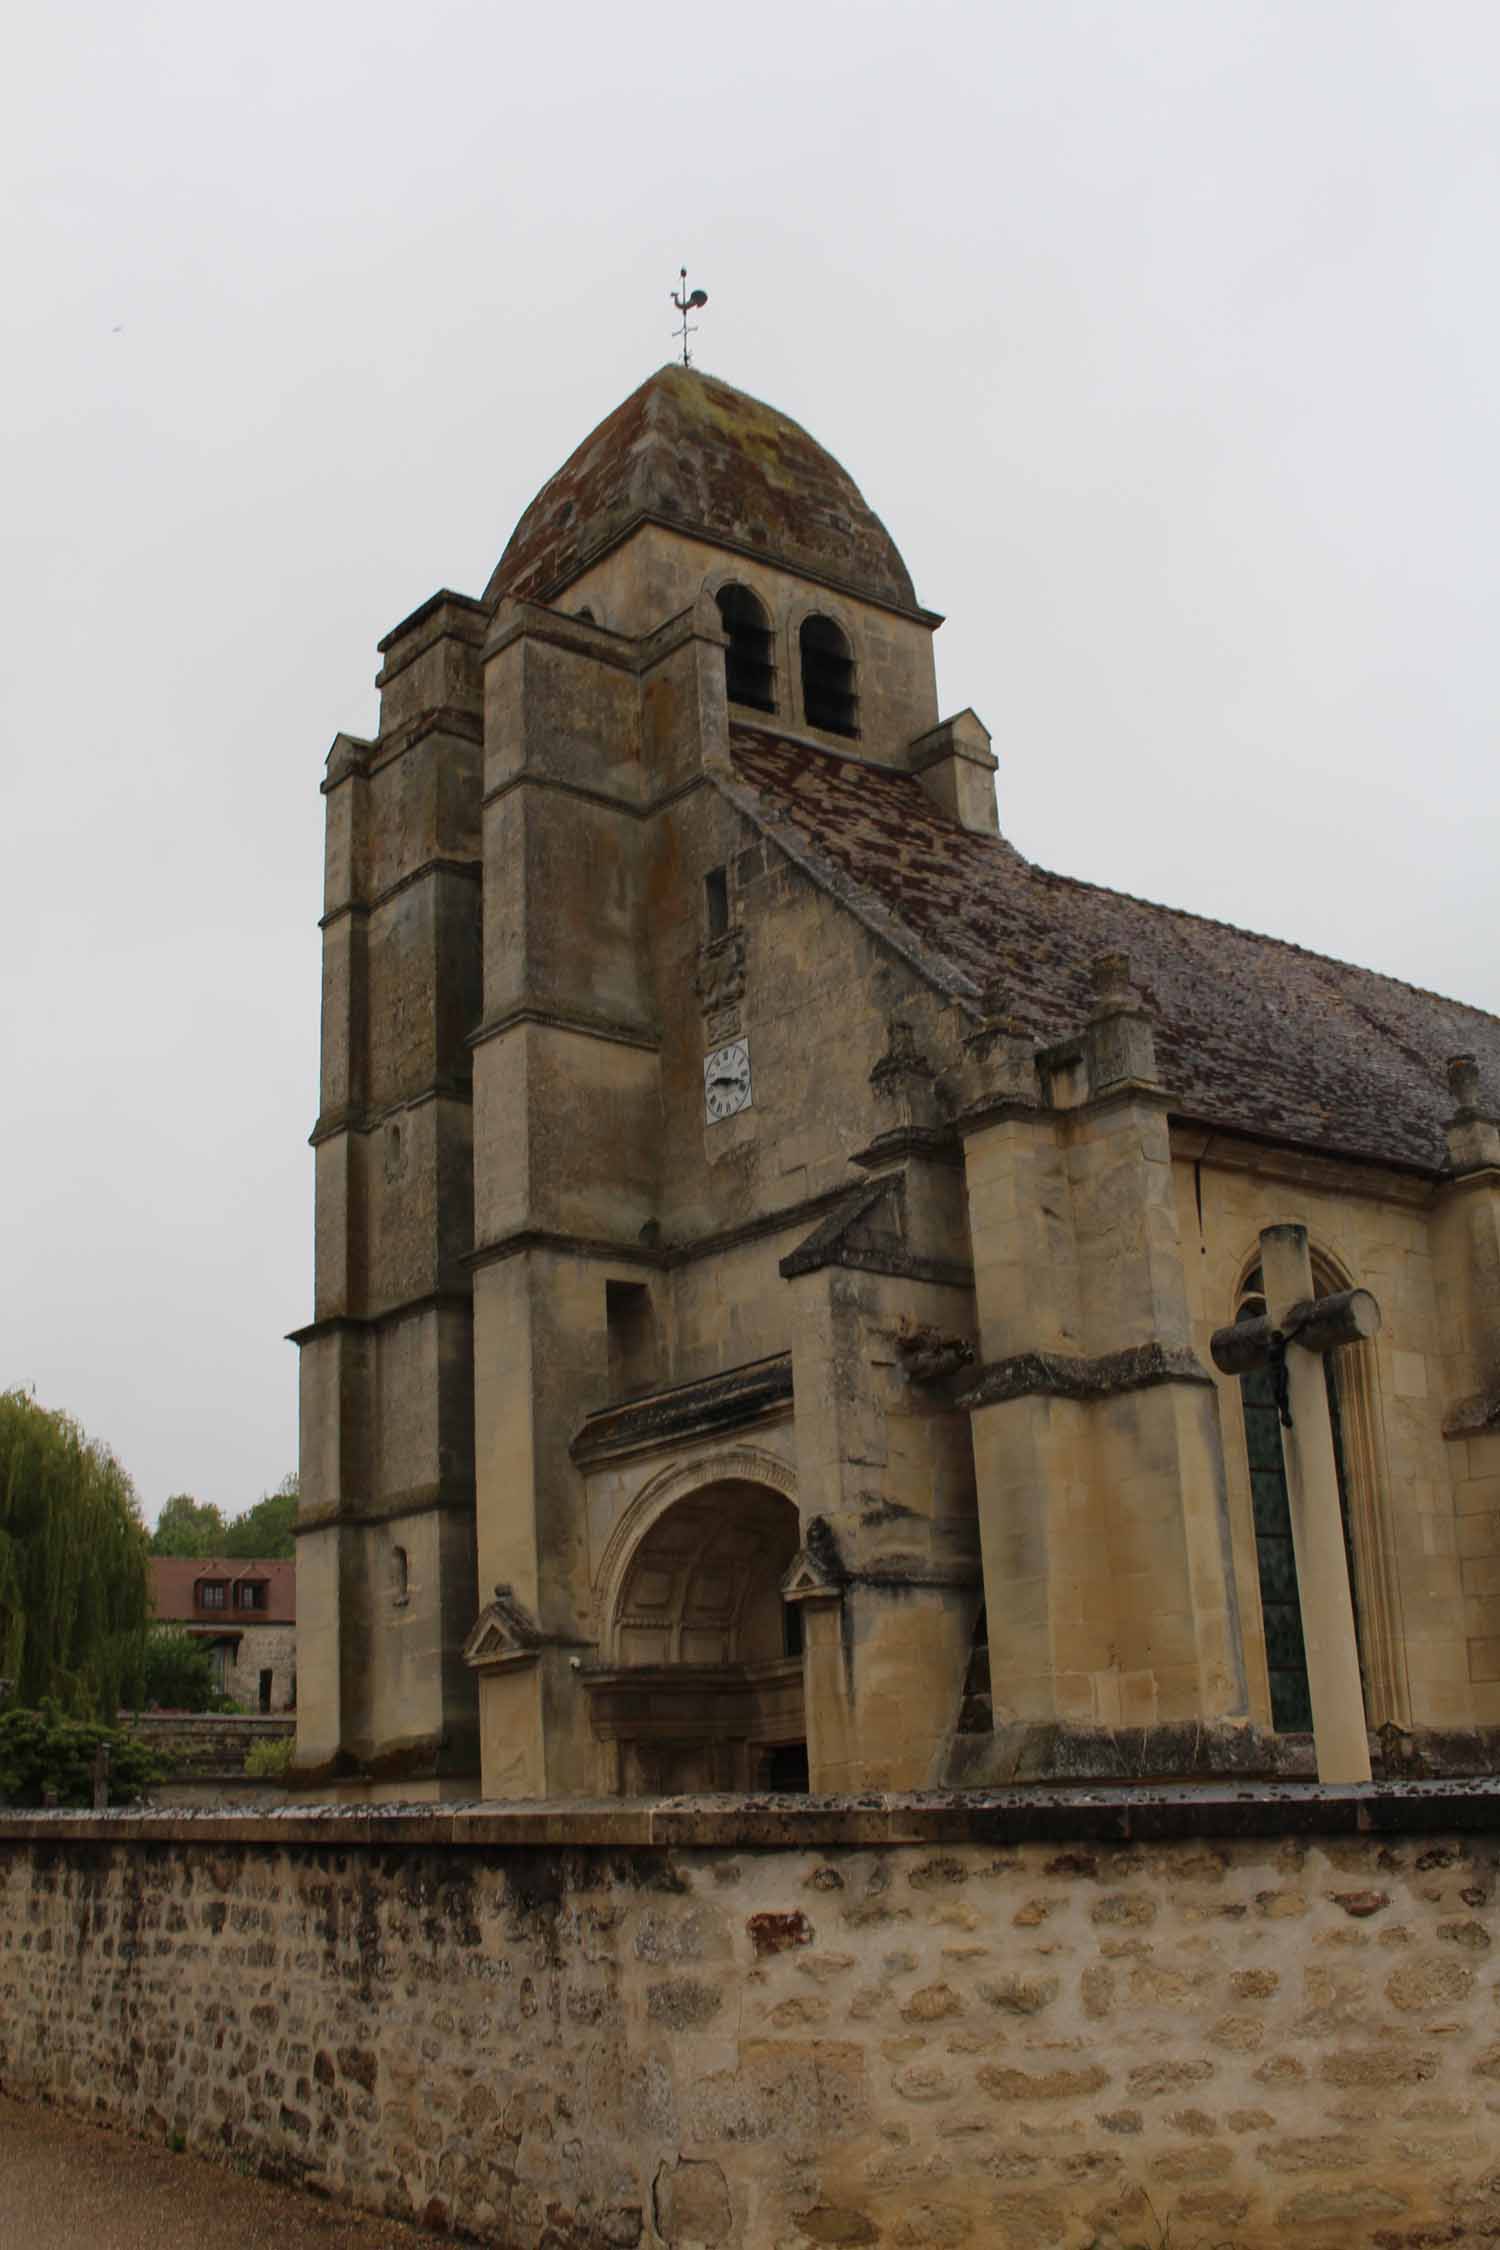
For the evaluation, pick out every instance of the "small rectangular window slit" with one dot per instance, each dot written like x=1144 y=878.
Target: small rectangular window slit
x=716 y=902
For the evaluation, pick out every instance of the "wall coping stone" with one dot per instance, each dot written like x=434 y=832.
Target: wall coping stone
x=210 y=1722
x=725 y=1823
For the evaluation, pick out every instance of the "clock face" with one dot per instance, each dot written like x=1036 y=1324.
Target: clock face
x=726 y=1080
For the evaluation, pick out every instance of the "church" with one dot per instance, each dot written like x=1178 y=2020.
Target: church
x=806 y=1299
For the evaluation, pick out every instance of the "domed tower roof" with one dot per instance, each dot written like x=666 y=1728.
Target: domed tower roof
x=693 y=453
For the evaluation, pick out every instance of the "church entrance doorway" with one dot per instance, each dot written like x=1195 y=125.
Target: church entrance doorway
x=703 y=1690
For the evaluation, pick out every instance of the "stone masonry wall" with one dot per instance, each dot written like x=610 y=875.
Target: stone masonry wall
x=999 y=2023
x=204 y=1756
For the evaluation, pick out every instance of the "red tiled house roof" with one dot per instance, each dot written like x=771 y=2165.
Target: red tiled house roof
x=174 y=1579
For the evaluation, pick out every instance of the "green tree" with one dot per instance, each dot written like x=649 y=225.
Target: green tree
x=42 y=1753
x=73 y=1596
x=179 y=1672
x=188 y=1527
x=265 y=1531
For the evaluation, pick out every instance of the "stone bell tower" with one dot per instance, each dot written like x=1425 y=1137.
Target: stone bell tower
x=775 y=1244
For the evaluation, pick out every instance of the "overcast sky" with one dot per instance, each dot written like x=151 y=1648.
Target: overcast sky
x=1161 y=333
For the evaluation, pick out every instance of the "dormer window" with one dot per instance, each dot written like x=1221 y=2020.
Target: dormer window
x=749 y=660
x=828 y=699
x=213 y=1593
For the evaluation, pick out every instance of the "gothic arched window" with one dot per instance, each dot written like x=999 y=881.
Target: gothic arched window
x=828 y=699
x=1280 y=1601
x=749 y=660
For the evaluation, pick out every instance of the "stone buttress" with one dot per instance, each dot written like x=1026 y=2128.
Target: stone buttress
x=386 y=1585
x=1102 y=1511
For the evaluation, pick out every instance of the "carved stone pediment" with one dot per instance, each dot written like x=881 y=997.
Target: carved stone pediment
x=817 y=1572
x=505 y=1633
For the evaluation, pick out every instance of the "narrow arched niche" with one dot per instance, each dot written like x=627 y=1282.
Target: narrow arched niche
x=829 y=702
x=749 y=658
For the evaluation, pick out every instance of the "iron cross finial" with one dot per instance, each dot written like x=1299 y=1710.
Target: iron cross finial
x=686 y=304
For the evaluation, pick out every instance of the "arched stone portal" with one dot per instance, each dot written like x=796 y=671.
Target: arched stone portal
x=702 y=1684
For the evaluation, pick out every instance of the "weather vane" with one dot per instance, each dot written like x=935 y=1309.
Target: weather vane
x=686 y=304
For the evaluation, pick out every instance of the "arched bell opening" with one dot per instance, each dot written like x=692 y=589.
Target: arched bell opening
x=829 y=701
x=702 y=1689
x=750 y=653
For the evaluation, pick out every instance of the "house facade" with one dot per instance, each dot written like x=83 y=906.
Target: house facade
x=245 y=1615
x=805 y=1297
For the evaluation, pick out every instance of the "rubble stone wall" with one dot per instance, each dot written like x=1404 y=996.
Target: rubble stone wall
x=901 y=2022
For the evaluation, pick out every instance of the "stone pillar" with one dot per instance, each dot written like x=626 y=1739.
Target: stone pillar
x=815 y=1586
x=1317 y=1524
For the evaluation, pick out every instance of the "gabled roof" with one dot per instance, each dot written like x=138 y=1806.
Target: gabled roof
x=688 y=450
x=173 y=1578
x=1251 y=1033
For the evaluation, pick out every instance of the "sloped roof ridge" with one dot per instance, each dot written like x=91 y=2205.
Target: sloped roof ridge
x=861 y=900
x=1243 y=930
x=1003 y=844
x=1256 y=1031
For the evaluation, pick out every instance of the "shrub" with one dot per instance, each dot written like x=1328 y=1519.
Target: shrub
x=268 y=1760
x=179 y=1671
x=42 y=1751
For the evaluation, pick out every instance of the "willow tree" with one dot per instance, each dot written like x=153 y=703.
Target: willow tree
x=73 y=1586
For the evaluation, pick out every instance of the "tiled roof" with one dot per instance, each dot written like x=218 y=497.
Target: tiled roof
x=1251 y=1033
x=719 y=465
x=173 y=1578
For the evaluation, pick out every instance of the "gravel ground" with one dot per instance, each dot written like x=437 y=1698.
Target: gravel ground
x=65 y=2185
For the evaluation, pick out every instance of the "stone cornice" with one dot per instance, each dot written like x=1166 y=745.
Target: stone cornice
x=1339 y=1172
x=357 y=1324
x=564 y=1019
x=470 y=871
x=754 y=1393
x=1062 y=1375
x=420 y=1500
x=662 y=1256
x=644 y=810
x=522 y=1239
x=1043 y=1814
x=357 y=1118
x=931 y=618
x=580 y=636
x=469 y=606
x=1473 y=1176
x=375 y=754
